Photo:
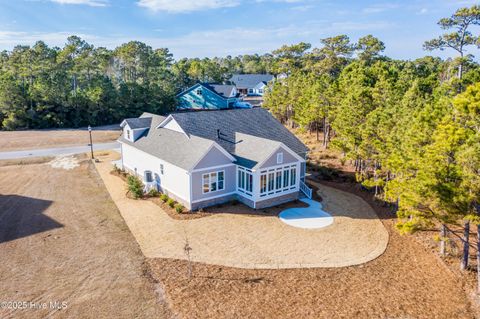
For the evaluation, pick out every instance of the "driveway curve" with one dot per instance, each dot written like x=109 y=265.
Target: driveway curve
x=357 y=235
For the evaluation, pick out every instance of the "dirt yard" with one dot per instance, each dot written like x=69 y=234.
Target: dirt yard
x=244 y=241
x=407 y=281
x=62 y=239
x=35 y=139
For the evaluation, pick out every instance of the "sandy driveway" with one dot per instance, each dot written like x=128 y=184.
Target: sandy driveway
x=356 y=236
x=63 y=240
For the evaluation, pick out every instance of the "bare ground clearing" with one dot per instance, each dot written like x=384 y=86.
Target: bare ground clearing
x=407 y=281
x=62 y=239
x=244 y=241
x=35 y=139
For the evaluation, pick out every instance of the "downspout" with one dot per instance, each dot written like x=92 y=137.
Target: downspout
x=121 y=154
x=190 y=189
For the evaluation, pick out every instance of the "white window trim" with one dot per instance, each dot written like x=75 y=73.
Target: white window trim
x=280 y=158
x=247 y=172
x=210 y=182
x=282 y=190
x=145 y=176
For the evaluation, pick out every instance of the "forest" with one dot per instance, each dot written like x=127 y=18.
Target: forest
x=79 y=84
x=410 y=128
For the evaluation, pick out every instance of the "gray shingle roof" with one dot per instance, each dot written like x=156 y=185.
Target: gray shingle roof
x=256 y=126
x=250 y=135
x=170 y=146
x=250 y=151
x=249 y=81
x=222 y=89
x=139 y=122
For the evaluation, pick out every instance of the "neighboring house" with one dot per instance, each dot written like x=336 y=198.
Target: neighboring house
x=251 y=84
x=204 y=96
x=210 y=157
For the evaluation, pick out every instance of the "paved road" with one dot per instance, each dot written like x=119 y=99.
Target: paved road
x=59 y=151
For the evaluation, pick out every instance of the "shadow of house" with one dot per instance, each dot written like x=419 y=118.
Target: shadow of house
x=22 y=216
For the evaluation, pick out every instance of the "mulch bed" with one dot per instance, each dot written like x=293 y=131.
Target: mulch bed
x=407 y=281
x=236 y=208
x=233 y=207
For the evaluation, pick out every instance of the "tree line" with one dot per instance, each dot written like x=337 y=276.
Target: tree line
x=410 y=128
x=79 y=84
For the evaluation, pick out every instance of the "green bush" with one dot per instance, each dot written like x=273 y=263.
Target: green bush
x=164 y=198
x=135 y=186
x=153 y=193
x=179 y=208
x=171 y=202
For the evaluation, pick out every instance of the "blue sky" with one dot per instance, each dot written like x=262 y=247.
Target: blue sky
x=198 y=28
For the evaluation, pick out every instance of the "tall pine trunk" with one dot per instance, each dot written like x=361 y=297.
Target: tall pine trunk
x=478 y=253
x=443 y=235
x=477 y=208
x=466 y=242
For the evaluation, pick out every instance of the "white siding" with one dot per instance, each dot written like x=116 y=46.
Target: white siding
x=134 y=134
x=175 y=179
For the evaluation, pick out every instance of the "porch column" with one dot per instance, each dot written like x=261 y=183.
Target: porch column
x=256 y=185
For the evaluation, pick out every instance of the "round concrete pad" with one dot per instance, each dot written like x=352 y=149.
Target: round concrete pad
x=312 y=217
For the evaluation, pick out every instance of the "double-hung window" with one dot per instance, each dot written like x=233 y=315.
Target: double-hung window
x=214 y=181
x=161 y=169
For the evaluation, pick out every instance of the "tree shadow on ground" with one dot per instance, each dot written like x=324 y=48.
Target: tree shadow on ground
x=345 y=181
x=22 y=216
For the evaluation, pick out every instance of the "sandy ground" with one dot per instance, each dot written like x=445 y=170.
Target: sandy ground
x=406 y=281
x=62 y=239
x=238 y=240
x=35 y=139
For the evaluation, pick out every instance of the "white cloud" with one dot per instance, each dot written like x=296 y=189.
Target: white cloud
x=423 y=11
x=91 y=3
x=378 y=8
x=9 y=39
x=180 y=6
x=208 y=43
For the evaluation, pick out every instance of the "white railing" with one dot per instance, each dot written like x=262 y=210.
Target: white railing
x=306 y=190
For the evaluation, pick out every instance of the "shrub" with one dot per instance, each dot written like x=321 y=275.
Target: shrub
x=171 y=202
x=179 y=208
x=135 y=186
x=153 y=193
x=164 y=198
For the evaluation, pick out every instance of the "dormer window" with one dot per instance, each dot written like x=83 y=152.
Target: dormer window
x=128 y=134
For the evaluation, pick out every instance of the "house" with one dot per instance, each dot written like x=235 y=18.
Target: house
x=205 y=158
x=251 y=84
x=203 y=96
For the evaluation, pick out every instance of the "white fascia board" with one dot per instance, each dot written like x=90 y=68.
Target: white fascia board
x=299 y=158
x=221 y=149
